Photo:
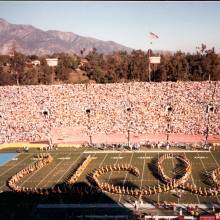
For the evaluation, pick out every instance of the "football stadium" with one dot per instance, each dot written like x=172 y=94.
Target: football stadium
x=138 y=150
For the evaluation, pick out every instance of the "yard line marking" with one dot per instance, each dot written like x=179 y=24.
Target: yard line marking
x=214 y=159
x=36 y=173
x=173 y=164
x=117 y=158
x=193 y=184
x=207 y=172
x=50 y=172
x=142 y=176
x=158 y=194
x=217 y=166
x=71 y=164
x=115 y=163
x=30 y=177
x=69 y=154
x=11 y=168
x=28 y=156
x=126 y=175
x=89 y=183
x=103 y=160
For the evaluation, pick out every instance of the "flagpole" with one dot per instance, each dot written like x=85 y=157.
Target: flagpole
x=149 y=68
x=153 y=36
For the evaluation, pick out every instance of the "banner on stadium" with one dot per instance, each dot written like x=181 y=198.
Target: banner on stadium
x=154 y=60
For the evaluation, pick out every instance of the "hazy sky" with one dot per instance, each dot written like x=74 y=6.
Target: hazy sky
x=179 y=25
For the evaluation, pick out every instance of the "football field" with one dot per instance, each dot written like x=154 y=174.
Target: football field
x=66 y=160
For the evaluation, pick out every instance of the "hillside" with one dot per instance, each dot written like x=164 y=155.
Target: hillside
x=30 y=40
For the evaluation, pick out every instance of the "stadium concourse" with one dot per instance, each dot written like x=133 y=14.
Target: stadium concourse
x=110 y=112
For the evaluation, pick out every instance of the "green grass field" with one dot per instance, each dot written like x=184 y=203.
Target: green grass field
x=59 y=168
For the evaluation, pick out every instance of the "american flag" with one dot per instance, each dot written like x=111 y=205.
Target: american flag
x=154 y=36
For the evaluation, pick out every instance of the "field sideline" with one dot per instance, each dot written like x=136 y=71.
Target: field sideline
x=66 y=159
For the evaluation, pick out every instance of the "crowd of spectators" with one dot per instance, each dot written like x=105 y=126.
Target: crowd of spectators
x=28 y=113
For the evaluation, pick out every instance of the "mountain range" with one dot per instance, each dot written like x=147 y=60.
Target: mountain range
x=28 y=40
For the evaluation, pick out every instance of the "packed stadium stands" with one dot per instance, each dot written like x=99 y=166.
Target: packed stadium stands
x=28 y=113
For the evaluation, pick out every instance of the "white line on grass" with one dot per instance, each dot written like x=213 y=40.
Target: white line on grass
x=99 y=167
x=103 y=160
x=214 y=159
x=15 y=165
x=39 y=170
x=158 y=194
x=194 y=184
x=115 y=163
x=69 y=168
x=207 y=172
x=79 y=177
x=126 y=176
x=11 y=168
x=173 y=164
x=217 y=166
x=143 y=172
x=50 y=172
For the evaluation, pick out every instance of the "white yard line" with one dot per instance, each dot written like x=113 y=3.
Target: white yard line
x=69 y=168
x=16 y=164
x=115 y=163
x=173 y=163
x=99 y=167
x=28 y=156
x=206 y=172
x=217 y=166
x=51 y=171
x=127 y=172
x=202 y=163
x=48 y=181
x=158 y=182
x=103 y=160
x=142 y=172
x=215 y=159
x=29 y=177
x=109 y=177
x=194 y=184
x=126 y=175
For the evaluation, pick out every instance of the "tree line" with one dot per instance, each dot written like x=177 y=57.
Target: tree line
x=117 y=67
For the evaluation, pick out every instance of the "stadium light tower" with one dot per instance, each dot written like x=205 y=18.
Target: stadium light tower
x=129 y=110
x=209 y=109
x=89 y=125
x=168 y=111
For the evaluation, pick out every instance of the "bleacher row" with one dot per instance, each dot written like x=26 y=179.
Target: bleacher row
x=28 y=113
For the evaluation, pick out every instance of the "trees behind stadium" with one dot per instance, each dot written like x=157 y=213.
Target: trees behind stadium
x=117 y=67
